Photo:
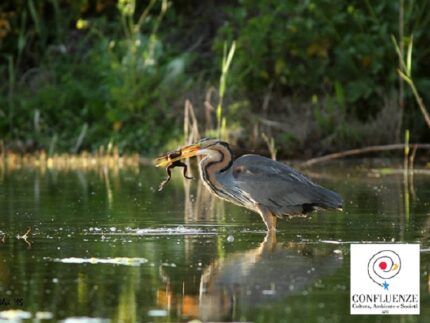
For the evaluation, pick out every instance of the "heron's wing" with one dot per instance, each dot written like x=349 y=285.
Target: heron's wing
x=279 y=187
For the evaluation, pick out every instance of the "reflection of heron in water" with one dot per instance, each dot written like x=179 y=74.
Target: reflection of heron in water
x=229 y=287
x=260 y=184
x=265 y=274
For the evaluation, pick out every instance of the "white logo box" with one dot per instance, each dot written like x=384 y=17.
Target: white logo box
x=385 y=279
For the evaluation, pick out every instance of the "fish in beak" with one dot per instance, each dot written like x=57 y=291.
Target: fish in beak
x=181 y=153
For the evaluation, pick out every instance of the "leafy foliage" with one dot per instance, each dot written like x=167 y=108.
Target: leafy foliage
x=119 y=84
x=318 y=47
x=89 y=74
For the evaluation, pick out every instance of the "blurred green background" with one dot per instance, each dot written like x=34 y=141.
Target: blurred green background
x=305 y=77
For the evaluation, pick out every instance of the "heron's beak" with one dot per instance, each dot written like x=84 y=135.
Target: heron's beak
x=181 y=153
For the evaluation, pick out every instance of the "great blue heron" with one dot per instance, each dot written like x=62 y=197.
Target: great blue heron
x=270 y=188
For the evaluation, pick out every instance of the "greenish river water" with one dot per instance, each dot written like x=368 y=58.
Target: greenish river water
x=107 y=245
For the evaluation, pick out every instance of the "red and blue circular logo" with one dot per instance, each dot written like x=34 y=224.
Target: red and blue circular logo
x=384 y=265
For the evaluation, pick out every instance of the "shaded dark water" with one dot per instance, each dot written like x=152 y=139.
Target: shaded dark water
x=107 y=245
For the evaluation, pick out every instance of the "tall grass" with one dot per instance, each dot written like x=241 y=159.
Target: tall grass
x=405 y=72
x=227 y=58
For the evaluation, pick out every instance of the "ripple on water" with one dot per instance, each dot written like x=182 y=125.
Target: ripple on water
x=13 y=315
x=157 y=313
x=85 y=319
x=113 y=261
x=178 y=230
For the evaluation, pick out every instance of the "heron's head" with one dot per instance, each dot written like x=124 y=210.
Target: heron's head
x=203 y=147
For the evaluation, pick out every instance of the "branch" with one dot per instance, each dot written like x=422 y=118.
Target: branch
x=360 y=151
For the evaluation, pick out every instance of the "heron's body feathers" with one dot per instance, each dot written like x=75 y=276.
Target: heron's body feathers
x=276 y=186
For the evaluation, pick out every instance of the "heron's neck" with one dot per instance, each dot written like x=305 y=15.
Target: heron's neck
x=217 y=160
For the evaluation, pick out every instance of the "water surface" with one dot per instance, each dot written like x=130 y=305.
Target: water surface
x=107 y=245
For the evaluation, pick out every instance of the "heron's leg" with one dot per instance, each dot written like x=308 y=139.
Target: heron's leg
x=268 y=245
x=268 y=218
x=269 y=242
